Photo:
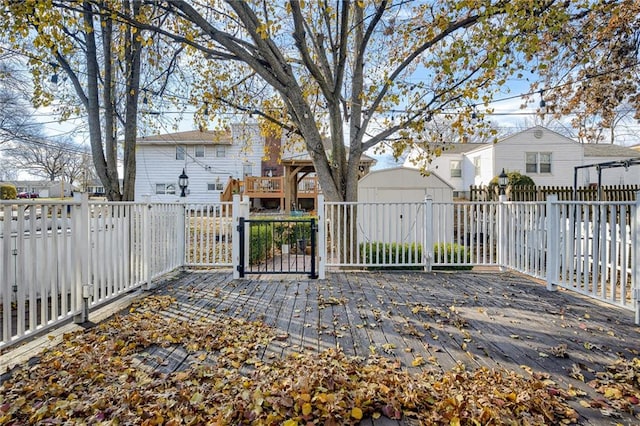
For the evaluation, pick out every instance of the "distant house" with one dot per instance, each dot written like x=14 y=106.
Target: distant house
x=45 y=188
x=209 y=159
x=95 y=188
x=40 y=187
x=549 y=158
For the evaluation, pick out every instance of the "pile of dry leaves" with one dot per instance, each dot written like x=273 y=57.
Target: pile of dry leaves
x=101 y=376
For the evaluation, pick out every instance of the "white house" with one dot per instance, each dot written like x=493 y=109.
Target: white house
x=549 y=158
x=208 y=158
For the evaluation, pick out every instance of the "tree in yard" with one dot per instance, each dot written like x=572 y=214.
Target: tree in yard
x=85 y=63
x=595 y=74
x=357 y=73
x=49 y=159
x=16 y=117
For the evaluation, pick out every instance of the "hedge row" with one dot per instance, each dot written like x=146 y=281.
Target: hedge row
x=408 y=253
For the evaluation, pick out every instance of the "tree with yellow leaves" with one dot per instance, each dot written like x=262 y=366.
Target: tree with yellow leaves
x=87 y=62
x=356 y=73
x=595 y=74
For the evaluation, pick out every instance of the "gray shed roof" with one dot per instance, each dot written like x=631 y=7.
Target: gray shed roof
x=608 y=150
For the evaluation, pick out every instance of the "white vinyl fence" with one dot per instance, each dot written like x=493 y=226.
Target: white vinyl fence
x=60 y=258
x=593 y=249
x=209 y=235
x=589 y=247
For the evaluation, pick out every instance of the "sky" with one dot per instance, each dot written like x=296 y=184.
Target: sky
x=508 y=116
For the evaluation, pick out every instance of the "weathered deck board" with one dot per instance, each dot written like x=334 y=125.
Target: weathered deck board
x=497 y=320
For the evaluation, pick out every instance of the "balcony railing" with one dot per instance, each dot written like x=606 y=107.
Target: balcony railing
x=273 y=187
x=264 y=187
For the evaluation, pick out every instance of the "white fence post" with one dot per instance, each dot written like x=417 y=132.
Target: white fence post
x=182 y=240
x=427 y=239
x=83 y=290
x=553 y=242
x=147 y=250
x=6 y=276
x=635 y=257
x=322 y=240
x=245 y=212
x=235 y=239
x=502 y=232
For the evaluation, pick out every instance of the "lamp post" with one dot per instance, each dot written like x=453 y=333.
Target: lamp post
x=183 y=182
x=503 y=180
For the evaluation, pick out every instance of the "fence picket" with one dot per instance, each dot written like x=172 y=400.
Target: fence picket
x=586 y=246
x=564 y=193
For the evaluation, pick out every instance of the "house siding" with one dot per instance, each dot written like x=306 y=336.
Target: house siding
x=441 y=165
x=510 y=154
x=485 y=156
x=157 y=164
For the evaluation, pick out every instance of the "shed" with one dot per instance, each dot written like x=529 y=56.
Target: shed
x=394 y=187
x=403 y=184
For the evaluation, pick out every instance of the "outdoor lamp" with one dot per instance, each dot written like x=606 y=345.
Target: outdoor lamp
x=183 y=182
x=503 y=180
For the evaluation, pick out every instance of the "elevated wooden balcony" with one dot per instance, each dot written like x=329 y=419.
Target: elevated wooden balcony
x=264 y=187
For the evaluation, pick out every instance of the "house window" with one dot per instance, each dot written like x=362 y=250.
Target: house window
x=180 y=152
x=538 y=162
x=199 y=151
x=545 y=162
x=476 y=165
x=455 y=169
x=218 y=186
x=165 y=188
x=221 y=151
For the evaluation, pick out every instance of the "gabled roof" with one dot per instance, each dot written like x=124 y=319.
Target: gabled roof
x=411 y=170
x=190 y=137
x=536 y=129
x=608 y=150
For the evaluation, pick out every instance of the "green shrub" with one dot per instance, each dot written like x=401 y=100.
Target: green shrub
x=8 y=192
x=407 y=253
x=290 y=232
x=452 y=253
x=404 y=253
x=260 y=242
x=514 y=179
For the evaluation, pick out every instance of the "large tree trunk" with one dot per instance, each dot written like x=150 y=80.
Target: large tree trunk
x=112 y=185
x=132 y=59
x=92 y=105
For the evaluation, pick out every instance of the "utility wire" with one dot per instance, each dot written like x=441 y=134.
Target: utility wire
x=391 y=111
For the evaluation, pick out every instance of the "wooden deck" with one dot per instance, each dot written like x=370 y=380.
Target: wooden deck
x=493 y=319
